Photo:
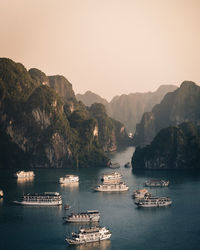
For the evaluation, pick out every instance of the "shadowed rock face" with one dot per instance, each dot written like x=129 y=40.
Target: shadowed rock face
x=43 y=125
x=128 y=109
x=173 y=148
x=62 y=87
x=182 y=105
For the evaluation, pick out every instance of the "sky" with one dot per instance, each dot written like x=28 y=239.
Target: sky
x=110 y=47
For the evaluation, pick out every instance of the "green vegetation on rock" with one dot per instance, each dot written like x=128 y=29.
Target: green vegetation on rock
x=176 y=147
x=43 y=125
x=177 y=107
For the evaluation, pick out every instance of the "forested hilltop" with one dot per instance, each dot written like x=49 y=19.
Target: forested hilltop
x=169 y=136
x=175 y=147
x=43 y=125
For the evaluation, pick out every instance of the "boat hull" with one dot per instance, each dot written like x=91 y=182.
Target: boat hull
x=73 y=242
x=82 y=220
x=158 y=204
x=110 y=190
x=23 y=203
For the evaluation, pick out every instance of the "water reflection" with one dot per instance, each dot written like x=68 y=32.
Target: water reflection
x=71 y=186
x=1 y=201
x=102 y=245
x=24 y=180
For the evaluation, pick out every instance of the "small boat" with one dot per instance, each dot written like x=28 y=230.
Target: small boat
x=127 y=165
x=67 y=206
x=111 y=176
x=114 y=165
x=1 y=193
x=141 y=193
x=156 y=183
x=70 y=178
x=154 y=202
x=112 y=187
x=24 y=174
x=89 y=216
x=86 y=235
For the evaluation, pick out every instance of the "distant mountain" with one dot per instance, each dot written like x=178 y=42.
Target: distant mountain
x=43 y=125
x=175 y=147
x=179 y=106
x=129 y=109
x=89 y=98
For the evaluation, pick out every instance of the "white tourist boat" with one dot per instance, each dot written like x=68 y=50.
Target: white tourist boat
x=111 y=176
x=24 y=174
x=45 y=199
x=69 y=178
x=156 y=183
x=86 y=235
x=141 y=193
x=1 y=193
x=154 y=202
x=89 y=216
x=112 y=187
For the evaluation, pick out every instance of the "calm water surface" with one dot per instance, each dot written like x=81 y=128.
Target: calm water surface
x=176 y=227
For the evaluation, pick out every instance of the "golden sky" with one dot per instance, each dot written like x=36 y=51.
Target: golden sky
x=110 y=47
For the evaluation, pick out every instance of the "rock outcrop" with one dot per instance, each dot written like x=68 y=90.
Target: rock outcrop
x=43 y=125
x=179 y=106
x=111 y=132
x=176 y=147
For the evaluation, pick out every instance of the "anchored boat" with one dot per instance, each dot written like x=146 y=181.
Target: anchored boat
x=45 y=199
x=70 y=178
x=89 y=216
x=114 y=165
x=24 y=174
x=112 y=187
x=111 y=176
x=86 y=235
x=156 y=183
x=141 y=193
x=154 y=202
x=1 y=193
x=127 y=165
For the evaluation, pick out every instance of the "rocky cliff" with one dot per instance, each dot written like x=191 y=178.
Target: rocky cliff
x=128 y=109
x=111 y=132
x=176 y=107
x=41 y=122
x=176 y=147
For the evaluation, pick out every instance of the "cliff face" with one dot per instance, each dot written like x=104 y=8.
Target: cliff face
x=172 y=148
x=179 y=106
x=35 y=124
x=111 y=133
x=43 y=125
x=128 y=109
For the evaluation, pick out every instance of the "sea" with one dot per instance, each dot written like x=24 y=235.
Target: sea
x=42 y=228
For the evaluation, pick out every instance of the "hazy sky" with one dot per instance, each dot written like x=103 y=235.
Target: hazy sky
x=110 y=47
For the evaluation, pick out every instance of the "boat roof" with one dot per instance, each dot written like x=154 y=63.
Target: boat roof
x=43 y=194
x=113 y=173
x=71 y=175
x=157 y=181
x=87 y=212
x=142 y=190
x=90 y=230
